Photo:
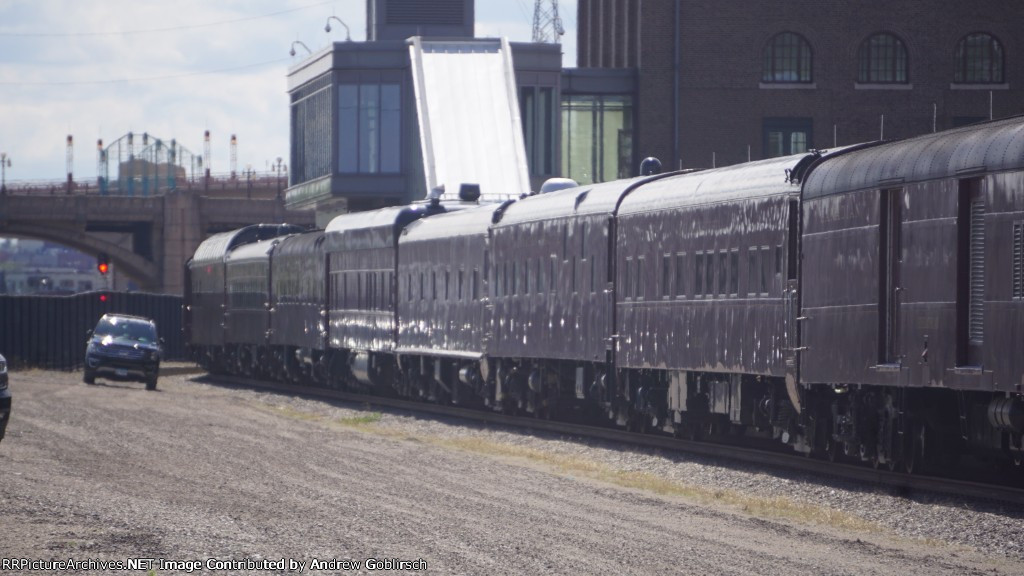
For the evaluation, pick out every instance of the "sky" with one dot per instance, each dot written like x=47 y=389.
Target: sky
x=98 y=69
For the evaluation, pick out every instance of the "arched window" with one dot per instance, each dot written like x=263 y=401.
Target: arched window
x=978 y=60
x=882 y=59
x=787 y=58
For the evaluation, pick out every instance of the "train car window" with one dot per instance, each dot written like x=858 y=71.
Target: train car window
x=593 y=276
x=474 y=286
x=778 y=260
x=538 y=275
x=734 y=272
x=698 y=280
x=627 y=279
x=447 y=285
x=723 y=272
x=709 y=274
x=681 y=275
x=583 y=241
x=514 y=280
x=462 y=274
x=527 y=273
x=666 y=275
x=554 y=274
x=433 y=285
x=753 y=271
x=572 y=271
x=766 y=255
x=371 y=291
x=1018 y=260
x=639 y=281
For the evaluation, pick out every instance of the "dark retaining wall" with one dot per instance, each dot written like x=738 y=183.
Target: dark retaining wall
x=49 y=331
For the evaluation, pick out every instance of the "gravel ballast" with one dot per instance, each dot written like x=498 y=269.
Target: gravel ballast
x=238 y=479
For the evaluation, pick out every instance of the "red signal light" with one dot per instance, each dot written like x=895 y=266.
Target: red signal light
x=103 y=297
x=103 y=264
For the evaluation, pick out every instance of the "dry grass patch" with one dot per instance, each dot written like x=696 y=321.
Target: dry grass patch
x=357 y=421
x=777 y=507
x=758 y=506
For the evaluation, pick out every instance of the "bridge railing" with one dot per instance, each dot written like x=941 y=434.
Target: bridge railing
x=259 y=184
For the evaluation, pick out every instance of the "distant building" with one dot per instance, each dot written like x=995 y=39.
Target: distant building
x=355 y=141
x=721 y=82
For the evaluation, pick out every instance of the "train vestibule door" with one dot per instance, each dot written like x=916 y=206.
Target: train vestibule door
x=890 y=259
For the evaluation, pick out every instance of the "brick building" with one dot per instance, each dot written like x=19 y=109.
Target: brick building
x=713 y=82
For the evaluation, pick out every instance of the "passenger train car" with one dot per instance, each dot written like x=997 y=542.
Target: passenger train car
x=863 y=303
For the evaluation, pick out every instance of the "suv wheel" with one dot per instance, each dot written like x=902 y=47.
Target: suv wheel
x=89 y=377
x=151 y=383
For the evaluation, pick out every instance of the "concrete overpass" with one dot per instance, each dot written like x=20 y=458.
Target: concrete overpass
x=163 y=230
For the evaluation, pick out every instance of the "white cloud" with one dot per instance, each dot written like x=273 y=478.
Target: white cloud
x=101 y=68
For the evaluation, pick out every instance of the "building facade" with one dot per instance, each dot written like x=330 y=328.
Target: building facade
x=719 y=83
x=355 y=141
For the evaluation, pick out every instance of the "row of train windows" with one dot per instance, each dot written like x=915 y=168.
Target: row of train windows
x=361 y=290
x=247 y=292
x=445 y=285
x=710 y=274
x=534 y=276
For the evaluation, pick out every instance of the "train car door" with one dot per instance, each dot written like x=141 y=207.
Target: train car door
x=791 y=299
x=890 y=258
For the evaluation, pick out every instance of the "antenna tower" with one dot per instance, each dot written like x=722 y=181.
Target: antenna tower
x=547 y=24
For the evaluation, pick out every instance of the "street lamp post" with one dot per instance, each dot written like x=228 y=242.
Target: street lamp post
x=278 y=168
x=327 y=28
x=5 y=163
x=300 y=43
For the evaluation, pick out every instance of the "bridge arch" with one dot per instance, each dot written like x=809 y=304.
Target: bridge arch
x=143 y=271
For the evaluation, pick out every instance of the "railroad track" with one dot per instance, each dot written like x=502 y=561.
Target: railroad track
x=897 y=481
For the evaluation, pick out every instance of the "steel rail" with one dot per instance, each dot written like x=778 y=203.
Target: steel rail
x=908 y=484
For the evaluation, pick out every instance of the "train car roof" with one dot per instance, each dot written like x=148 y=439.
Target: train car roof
x=375 y=227
x=987 y=147
x=300 y=244
x=748 y=180
x=254 y=252
x=588 y=199
x=468 y=222
x=216 y=247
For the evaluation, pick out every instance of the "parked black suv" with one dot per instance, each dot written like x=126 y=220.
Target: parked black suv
x=5 y=397
x=123 y=347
